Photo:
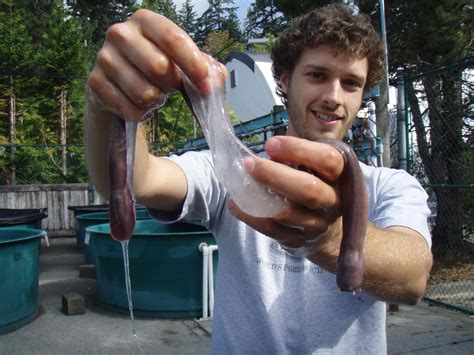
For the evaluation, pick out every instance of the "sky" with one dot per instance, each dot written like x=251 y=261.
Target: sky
x=201 y=5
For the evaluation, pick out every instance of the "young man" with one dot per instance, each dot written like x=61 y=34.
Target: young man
x=268 y=301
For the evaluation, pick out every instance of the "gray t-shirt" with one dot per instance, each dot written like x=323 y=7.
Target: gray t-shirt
x=268 y=302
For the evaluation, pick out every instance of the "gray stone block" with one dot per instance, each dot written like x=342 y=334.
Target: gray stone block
x=73 y=303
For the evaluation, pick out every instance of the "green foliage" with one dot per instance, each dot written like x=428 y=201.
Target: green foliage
x=170 y=125
x=219 y=45
x=164 y=7
x=219 y=17
x=422 y=34
x=187 y=18
x=15 y=44
x=264 y=19
x=16 y=50
x=48 y=47
x=100 y=15
x=42 y=51
x=61 y=59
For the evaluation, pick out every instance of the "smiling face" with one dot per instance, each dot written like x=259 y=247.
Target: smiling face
x=324 y=93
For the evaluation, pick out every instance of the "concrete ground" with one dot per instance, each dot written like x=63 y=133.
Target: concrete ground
x=421 y=329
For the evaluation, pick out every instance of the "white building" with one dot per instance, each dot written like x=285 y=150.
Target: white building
x=250 y=87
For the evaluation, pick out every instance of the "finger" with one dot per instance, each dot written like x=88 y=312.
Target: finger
x=175 y=43
x=297 y=186
x=110 y=96
x=222 y=71
x=322 y=158
x=310 y=223
x=127 y=78
x=218 y=67
x=144 y=55
x=288 y=236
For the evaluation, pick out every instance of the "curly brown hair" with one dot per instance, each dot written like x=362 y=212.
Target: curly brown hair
x=333 y=25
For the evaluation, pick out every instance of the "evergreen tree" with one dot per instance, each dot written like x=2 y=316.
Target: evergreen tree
x=422 y=34
x=61 y=64
x=164 y=7
x=43 y=64
x=263 y=19
x=220 y=16
x=15 y=46
x=100 y=15
x=187 y=18
x=36 y=14
x=15 y=61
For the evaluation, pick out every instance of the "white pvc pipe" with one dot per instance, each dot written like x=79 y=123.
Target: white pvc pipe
x=205 y=265
x=46 y=239
x=207 y=280
x=210 y=264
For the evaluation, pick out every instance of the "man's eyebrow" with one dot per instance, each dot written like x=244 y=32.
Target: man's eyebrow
x=315 y=67
x=356 y=77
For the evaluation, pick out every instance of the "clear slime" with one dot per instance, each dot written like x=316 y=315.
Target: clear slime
x=228 y=152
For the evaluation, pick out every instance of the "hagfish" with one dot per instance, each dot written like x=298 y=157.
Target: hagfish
x=121 y=201
x=350 y=263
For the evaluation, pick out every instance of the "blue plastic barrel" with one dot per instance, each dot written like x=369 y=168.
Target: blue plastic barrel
x=19 y=274
x=165 y=269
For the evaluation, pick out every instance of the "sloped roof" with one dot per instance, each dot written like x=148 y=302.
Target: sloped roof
x=249 y=59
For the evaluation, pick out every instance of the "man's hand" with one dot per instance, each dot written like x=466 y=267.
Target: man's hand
x=135 y=69
x=397 y=259
x=137 y=65
x=314 y=200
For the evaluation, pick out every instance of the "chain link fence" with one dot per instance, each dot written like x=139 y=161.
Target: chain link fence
x=440 y=123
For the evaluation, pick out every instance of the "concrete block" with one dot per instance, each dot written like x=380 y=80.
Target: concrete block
x=73 y=303
x=87 y=271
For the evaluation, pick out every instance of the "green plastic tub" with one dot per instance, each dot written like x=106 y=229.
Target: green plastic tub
x=83 y=221
x=78 y=210
x=19 y=274
x=165 y=269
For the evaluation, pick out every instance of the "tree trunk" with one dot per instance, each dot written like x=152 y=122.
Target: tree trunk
x=62 y=134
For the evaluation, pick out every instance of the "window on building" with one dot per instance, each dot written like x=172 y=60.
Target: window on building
x=233 y=82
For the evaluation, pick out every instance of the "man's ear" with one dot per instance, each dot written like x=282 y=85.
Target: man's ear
x=284 y=82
